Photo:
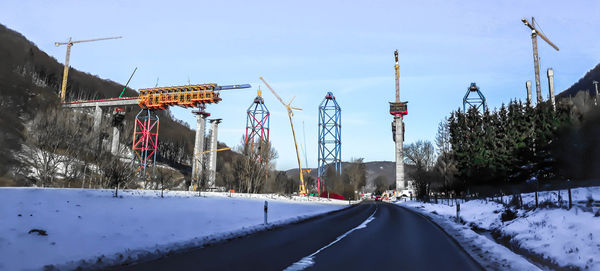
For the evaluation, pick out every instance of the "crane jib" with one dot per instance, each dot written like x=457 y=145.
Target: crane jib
x=233 y=87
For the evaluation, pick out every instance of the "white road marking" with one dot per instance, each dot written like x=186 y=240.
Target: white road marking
x=308 y=261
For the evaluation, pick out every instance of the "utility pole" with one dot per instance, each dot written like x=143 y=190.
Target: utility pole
x=63 y=86
x=398 y=109
x=536 y=62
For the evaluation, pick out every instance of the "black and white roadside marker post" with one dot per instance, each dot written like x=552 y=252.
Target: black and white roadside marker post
x=457 y=212
x=266 y=210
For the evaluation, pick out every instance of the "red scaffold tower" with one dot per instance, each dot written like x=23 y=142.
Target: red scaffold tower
x=145 y=138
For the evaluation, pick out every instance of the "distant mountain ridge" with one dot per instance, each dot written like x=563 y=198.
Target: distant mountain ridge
x=585 y=84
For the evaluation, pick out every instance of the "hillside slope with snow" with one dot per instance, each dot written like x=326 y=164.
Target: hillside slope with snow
x=86 y=227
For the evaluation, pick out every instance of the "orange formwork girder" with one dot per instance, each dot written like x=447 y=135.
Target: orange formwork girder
x=185 y=96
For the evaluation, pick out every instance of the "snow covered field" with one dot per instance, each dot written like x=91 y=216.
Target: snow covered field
x=87 y=227
x=568 y=238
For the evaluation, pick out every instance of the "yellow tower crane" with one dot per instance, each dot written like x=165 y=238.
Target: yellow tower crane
x=63 y=86
x=536 y=61
x=290 y=114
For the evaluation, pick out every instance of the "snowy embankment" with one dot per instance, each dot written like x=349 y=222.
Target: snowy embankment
x=90 y=227
x=559 y=237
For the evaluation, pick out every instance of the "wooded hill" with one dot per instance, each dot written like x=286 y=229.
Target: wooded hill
x=584 y=84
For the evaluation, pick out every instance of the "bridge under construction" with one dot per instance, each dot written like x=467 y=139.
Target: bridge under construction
x=146 y=129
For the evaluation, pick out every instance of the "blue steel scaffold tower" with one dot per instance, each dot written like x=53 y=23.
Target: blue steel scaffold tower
x=478 y=101
x=330 y=138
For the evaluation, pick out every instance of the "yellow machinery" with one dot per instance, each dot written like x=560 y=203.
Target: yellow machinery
x=536 y=63
x=63 y=87
x=221 y=149
x=290 y=114
x=184 y=96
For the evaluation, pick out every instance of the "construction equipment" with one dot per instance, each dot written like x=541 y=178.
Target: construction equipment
x=398 y=109
x=290 y=114
x=257 y=122
x=151 y=99
x=478 y=101
x=184 y=96
x=258 y=119
x=536 y=64
x=119 y=112
x=330 y=139
x=63 y=86
x=217 y=150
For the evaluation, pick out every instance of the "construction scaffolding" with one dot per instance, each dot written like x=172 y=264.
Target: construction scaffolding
x=474 y=98
x=330 y=138
x=257 y=122
x=145 y=139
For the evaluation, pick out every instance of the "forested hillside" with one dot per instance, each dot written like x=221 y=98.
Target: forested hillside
x=584 y=84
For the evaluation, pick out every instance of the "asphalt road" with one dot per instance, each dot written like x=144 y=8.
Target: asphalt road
x=369 y=236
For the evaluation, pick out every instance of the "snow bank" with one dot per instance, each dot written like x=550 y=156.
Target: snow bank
x=566 y=238
x=92 y=225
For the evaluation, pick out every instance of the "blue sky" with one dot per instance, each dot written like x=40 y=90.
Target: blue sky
x=306 y=48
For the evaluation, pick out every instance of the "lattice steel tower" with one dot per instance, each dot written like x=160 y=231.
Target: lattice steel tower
x=330 y=138
x=257 y=121
x=145 y=139
x=478 y=101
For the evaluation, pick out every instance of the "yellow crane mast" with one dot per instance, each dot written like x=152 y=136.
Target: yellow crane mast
x=290 y=114
x=63 y=86
x=536 y=62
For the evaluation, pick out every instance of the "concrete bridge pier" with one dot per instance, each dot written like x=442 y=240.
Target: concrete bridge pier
x=97 y=119
x=212 y=155
x=114 y=147
x=550 y=73
x=201 y=116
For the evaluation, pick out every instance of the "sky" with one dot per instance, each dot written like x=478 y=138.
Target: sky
x=307 y=48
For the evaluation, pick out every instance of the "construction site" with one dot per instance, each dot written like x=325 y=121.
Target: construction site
x=142 y=111
x=276 y=135
x=145 y=139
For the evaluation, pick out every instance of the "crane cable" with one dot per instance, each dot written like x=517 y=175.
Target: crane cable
x=540 y=28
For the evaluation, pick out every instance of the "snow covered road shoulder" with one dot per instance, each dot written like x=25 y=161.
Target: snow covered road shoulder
x=80 y=227
x=558 y=238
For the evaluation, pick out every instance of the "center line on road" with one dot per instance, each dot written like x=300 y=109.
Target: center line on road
x=308 y=261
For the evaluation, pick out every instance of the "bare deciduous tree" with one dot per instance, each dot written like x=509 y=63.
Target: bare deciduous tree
x=250 y=169
x=115 y=172
x=421 y=154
